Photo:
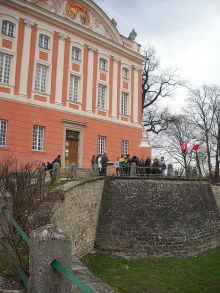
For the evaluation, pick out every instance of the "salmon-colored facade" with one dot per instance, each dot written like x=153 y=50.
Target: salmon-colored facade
x=70 y=84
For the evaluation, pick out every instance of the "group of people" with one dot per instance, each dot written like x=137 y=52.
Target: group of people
x=126 y=165
x=53 y=168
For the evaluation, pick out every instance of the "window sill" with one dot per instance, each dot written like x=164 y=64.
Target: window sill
x=102 y=109
x=36 y=151
x=44 y=49
x=103 y=70
x=6 y=84
x=41 y=94
x=8 y=37
x=77 y=61
x=4 y=147
x=75 y=102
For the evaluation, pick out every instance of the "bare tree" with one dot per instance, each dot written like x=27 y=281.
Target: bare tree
x=203 y=106
x=156 y=84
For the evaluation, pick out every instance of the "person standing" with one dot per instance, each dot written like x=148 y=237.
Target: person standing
x=104 y=162
x=99 y=164
x=117 y=167
x=162 y=166
x=94 y=165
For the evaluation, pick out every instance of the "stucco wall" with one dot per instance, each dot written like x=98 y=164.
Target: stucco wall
x=77 y=215
x=157 y=217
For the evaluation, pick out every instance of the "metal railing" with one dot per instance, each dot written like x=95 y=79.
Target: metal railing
x=57 y=266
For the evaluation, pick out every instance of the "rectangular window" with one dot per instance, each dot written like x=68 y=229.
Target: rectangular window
x=38 y=138
x=103 y=64
x=8 y=28
x=124 y=147
x=125 y=73
x=101 y=145
x=3 y=132
x=5 y=68
x=41 y=78
x=74 y=88
x=124 y=103
x=101 y=96
x=76 y=54
x=44 y=42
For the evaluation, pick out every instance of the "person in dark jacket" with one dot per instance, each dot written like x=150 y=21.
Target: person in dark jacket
x=104 y=162
x=147 y=165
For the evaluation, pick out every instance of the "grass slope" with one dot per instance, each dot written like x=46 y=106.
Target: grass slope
x=199 y=274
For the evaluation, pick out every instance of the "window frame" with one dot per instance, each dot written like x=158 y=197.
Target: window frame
x=5 y=79
x=36 y=144
x=125 y=147
x=124 y=106
x=41 y=82
x=3 y=132
x=125 y=73
x=42 y=46
x=103 y=64
x=101 y=144
x=78 y=54
x=7 y=29
x=102 y=100
x=72 y=91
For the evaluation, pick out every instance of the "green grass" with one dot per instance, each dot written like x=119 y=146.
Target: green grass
x=199 y=274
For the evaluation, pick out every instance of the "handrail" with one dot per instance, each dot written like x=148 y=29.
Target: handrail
x=55 y=264
x=68 y=275
x=19 y=268
x=10 y=218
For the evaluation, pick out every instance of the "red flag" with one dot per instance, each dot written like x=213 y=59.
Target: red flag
x=184 y=147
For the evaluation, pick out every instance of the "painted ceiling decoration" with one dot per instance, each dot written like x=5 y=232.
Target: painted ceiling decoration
x=76 y=12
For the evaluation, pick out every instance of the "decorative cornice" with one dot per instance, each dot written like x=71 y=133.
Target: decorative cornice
x=62 y=36
x=29 y=23
x=91 y=49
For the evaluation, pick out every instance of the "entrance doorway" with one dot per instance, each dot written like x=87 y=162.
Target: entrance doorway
x=71 y=147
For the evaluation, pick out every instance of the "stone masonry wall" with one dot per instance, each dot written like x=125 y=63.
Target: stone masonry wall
x=157 y=217
x=77 y=215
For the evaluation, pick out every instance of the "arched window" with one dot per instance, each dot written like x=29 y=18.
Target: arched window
x=44 y=42
x=76 y=54
x=125 y=73
x=103 y=64
x=8 y=28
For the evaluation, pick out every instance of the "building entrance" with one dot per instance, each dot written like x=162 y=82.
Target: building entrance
x=71 y=147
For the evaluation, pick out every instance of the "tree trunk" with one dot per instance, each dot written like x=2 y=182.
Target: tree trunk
x=198 y=164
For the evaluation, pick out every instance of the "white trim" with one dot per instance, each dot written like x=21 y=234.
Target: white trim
x=114 y=88
x=74 y=28
x=135 y=97
x=90 y=80
x=60 y=64
x=25 y=60
x=79 y=128
x=56 y=107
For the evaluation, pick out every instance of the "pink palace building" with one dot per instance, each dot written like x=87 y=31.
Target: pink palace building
x=70 y=84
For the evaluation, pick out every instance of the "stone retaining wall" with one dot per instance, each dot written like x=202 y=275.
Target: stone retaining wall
x=77 y=215
x=157 y=217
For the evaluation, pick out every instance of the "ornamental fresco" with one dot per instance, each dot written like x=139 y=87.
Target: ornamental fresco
x=74 y=11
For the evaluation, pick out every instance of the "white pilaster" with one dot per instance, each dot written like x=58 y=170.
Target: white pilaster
x=90 y=79
x=135 y=99
x=114 y=87
x=60 y=64
x=25 y=58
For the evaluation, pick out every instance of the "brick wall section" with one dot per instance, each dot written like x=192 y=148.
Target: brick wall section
x=77 y=215
x=157 y=217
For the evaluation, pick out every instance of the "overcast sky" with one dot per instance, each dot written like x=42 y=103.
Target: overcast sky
x=185 y=34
